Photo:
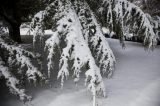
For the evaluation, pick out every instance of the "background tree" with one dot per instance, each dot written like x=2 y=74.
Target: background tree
x=123 y=17
x=149 y=6
x=15 y=12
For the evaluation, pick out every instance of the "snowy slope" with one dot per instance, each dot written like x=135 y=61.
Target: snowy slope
x=136 y=82
x=137 y=77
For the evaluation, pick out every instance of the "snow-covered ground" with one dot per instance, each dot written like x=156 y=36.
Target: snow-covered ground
x=27 y=31
x=136 y=82
x=137 y=78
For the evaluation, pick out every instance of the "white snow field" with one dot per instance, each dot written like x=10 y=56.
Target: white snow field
x=136 y=82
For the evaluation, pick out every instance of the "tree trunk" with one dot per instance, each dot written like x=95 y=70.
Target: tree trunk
x=14 y=32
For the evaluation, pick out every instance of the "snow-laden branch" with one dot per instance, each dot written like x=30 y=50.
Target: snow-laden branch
x=22 y=58
x=78 y=38
x=93 y=35
x=37 y=25
x=70 y=29
x=130 y=19
x=155 y=21
x=127 y=11
x=12 y=82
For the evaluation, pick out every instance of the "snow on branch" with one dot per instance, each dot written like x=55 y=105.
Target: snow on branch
x=140 y=24
x=130 y=19
x=155 y=21
x=79 y=38
x=22 y=58
x=69 y=28
x=37 y=25
x=12 y=82
x=93 y=34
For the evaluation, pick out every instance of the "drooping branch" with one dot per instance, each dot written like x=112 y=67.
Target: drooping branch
x=93 y=35
x=68 y=28
x=124 y=17
x=12 y=82
x=22 y=58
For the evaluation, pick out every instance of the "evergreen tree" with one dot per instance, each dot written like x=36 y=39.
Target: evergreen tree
x=15 y=12
x=16 y=66
x=76 y=26
x=148 y=6
x=123 y=18
x=78 y=38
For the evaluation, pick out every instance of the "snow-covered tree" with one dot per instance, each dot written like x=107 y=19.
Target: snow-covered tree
x=124 y=17
x=16 y=66
x=148 y=6
x=151 y=8
x=155 y=21
x=79 y=38
x=77 y=35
